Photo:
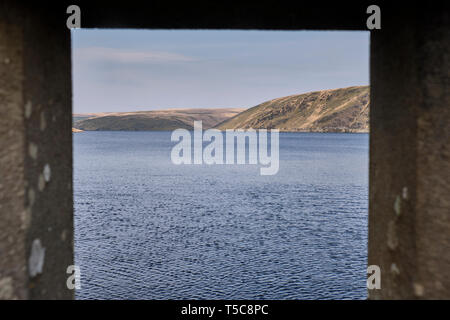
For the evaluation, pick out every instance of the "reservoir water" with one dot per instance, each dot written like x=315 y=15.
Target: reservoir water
x=148 y=229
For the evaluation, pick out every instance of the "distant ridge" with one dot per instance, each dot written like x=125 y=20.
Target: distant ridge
x=156 y=120
x=336 y=110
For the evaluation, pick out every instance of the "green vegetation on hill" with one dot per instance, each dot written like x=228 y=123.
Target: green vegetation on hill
x=158 y=120
x=337 y=110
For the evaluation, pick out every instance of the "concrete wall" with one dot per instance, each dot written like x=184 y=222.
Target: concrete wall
x=36 y=217
x=409 y=220
x=409 y=223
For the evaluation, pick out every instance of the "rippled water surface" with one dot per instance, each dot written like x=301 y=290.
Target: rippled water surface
x=148 y=229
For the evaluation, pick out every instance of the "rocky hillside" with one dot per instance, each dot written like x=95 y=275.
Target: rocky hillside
x=156 y=120
x=336 y=110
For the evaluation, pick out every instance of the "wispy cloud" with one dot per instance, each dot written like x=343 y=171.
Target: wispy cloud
x=126 y=56
x=124 y=70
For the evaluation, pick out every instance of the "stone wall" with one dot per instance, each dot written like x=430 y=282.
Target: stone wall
x=409 y=220
x=36 y=218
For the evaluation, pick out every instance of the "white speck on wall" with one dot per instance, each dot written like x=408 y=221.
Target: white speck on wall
x=418 y=289
x=398 y=206
x=47 y=172
x=36 y=260
x=28 y=109
x=394 y=269
x=33 y=150
x=41 y=182
x=64 y=235
x=405 y=193
x=6 y=288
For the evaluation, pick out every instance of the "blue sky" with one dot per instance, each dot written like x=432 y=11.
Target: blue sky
x=131 y=70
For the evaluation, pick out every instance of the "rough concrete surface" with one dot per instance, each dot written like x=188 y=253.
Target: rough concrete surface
x=409 y=209
x=409 y=196
x=35 y=155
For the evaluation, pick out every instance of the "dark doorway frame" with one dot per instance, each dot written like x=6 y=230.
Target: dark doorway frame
x=409 y=183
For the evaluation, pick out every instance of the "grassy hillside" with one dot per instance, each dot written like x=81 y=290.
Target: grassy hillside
x=157 y=120
x=337 y=110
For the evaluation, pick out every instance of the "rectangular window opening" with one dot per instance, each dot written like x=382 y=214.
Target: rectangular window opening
x=161 y=214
